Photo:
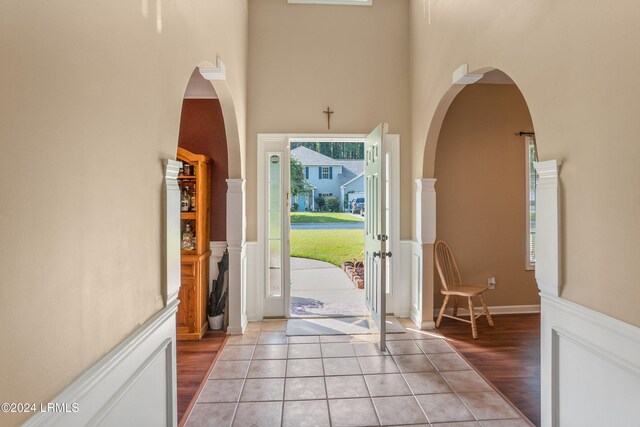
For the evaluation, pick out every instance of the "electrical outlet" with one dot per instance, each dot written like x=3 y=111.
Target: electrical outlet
x=491 y=282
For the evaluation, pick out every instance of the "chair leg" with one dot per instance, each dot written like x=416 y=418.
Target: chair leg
x=455 y=306
x=474 y=330
x=444 y=305
x=486 y=311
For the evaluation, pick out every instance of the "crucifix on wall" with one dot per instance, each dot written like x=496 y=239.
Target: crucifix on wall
x=328 y=112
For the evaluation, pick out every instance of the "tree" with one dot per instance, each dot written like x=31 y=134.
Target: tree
x=298 y=183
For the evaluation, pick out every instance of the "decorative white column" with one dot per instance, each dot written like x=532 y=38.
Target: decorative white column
x=171 y=282
x=236 y=224
x=426 y=237
x=548 y=227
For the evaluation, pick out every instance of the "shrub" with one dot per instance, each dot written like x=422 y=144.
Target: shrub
x=332 y=204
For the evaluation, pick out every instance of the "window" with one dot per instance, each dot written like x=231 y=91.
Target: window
x=531 y=182
x=326 y=172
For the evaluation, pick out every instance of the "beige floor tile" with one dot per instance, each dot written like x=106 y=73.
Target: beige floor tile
x=274 y=325
x=263 y=389
x=381 y=385
x=248 y=338
x=413 y=334
x=211 y=414
x=253 y=327
x=427 y=383
x=441 y=408
x=304 y=351
x=413 y=363
x=347 y=386
x=311 y=413
x=448 y=362
x=488 y=406
x=341 y=366
x=352 y=413
x=258 y=414
x=465 y=381
x=304 y=368
x=305 y=388
x=221 y=391
x=339 y=349
x=272 y=337
x=311 y=339
x=267 y=369
x=434 y=346
x=335 y=338
x=369 y=338
x=403 y=347
x=229 y=369
x=275 y=351
x=378 y=365
x=237 y=352
x=367 y=349
x=504 y=423
x=398 y=410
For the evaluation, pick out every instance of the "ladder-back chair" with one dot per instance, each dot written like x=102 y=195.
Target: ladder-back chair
x=452 y=286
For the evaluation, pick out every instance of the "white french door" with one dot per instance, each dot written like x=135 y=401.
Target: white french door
x=375 y=224
x=273 y=288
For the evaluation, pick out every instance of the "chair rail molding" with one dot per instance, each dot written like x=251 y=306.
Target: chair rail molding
x=171 y=279
x=236 y=226
x=548 y=227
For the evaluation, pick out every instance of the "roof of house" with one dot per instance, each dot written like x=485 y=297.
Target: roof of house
x=312 y=158
x=350 y=168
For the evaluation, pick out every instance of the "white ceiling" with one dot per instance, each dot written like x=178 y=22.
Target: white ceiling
x=199 y=87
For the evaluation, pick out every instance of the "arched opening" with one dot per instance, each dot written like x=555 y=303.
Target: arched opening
x=203 y=148
x=478 y=150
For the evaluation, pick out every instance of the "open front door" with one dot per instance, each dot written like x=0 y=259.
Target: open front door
x=375 y=224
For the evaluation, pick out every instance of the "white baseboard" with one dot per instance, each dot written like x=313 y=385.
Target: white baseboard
x=496 y=309
x=135 y=384
x=590 y=366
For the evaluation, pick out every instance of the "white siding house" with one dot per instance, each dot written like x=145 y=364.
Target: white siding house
x=327 y=177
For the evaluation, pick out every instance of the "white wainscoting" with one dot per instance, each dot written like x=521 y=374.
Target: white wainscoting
x=254 y=289
x=590 y=367
x=133 y=385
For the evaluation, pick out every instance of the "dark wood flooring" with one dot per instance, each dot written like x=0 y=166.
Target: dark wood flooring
x=508 y=355
x=195 y=360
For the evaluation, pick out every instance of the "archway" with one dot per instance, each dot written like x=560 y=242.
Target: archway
x=477 y=151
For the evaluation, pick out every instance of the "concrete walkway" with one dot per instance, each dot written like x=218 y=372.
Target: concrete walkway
x=322 y=289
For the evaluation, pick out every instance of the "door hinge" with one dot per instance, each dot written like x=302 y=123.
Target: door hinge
x=382 y=255
x=383 y=237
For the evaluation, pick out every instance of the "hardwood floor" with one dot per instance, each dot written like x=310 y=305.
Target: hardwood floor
x=194 y=361
x=508 y=355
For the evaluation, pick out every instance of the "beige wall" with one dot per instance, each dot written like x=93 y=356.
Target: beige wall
x=575 y=68
x=90 y=101
x=480 y=167
x=304 y=58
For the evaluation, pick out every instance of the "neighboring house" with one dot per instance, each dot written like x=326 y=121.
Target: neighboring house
x=328 y=177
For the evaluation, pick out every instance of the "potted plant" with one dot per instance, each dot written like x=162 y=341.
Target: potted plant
x=218 y=295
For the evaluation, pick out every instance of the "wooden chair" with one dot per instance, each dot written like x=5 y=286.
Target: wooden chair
x=452 y=286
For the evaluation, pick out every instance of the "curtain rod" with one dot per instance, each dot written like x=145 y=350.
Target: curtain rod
x=524 y=133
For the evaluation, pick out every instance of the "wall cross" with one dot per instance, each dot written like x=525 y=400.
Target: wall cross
x=328 y=112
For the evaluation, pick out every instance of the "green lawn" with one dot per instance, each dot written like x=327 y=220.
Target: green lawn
x=322 y=217
x=332 y=246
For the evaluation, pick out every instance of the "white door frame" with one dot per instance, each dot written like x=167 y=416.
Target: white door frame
x=270 y=143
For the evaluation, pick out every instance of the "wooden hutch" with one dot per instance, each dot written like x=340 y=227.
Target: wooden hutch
x=191 y=319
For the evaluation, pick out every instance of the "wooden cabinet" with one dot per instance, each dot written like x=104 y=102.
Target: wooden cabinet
x=191 y=319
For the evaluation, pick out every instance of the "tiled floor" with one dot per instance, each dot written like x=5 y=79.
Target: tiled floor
x=264 y=378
